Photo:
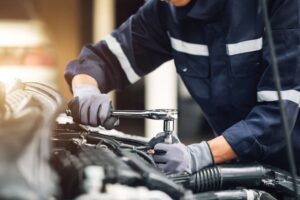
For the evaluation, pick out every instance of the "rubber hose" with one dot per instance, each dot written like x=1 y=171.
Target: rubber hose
x=206 y=180
x=222 y=177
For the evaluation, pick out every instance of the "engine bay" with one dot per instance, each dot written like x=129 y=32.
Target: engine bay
x=45 y=155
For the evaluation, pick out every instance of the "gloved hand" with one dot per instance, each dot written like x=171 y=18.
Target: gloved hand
x=160 y=138
x=179 y=158
x=90 y=107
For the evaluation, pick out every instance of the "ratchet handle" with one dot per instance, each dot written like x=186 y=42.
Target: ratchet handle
x=159 y=114
x=129 y=113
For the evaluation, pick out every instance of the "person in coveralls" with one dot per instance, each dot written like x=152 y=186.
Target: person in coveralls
x=220 y=52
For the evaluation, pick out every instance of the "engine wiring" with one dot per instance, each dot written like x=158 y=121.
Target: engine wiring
x=141 y=151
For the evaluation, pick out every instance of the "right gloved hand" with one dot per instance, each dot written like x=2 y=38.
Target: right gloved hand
x=178 y=158
x=160 y=138
x=90 y=107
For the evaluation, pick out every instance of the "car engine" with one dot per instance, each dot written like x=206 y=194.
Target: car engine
x=45 y=155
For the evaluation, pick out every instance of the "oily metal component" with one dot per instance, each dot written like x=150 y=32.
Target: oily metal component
x=168 y=115
x=234 y=195
x=158 y=114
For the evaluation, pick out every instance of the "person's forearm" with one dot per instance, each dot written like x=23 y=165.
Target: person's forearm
x=83 y=79
x=179 y=3
x=221 y=150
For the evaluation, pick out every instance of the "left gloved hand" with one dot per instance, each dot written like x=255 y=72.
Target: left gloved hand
x=90 y=107
x=179 y=158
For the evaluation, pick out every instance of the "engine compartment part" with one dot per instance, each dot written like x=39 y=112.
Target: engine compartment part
x=255 y=176
x=235 y=195
x=27 y=117
x=167 y=115
x=95 y=163
x=129 y=150
x=122 y=162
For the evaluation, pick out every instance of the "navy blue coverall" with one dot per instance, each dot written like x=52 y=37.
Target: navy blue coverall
x=221 y=54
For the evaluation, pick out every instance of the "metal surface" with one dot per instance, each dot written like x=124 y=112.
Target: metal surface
x=168 y=115
x=159 y=114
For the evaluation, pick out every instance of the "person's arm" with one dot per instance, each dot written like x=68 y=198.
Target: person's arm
x=221 y=150
x=179 y=3
x=83 y=79
x=136 y=48
x=88 y=105
x=260 y=134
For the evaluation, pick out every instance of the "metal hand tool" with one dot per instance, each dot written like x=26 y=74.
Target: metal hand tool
x=167 y=115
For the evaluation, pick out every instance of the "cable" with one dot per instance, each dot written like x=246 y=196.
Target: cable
x=140 y=152
x=111 y=142
x=276 y=78
x=145 y=156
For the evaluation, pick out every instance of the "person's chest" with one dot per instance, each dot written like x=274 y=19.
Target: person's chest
x=220 y=61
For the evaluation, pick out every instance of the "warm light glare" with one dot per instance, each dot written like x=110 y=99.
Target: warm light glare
x=21 y=33
x=40 y=74
x=26 y=53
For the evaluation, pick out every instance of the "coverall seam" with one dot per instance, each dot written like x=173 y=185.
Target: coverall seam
x=256 y=141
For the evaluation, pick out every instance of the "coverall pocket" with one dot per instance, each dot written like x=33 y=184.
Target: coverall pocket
x=193 y=66
x=246 y=64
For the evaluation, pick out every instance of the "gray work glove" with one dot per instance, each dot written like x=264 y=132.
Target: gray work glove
x=160 y=138
x=90 y=107
x=178 y=158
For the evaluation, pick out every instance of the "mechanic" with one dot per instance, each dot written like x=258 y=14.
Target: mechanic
x=221 y=54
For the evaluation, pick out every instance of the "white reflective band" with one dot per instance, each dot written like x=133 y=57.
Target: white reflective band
x=291 y=95
x=115 y=47
x=189 y=48
x=250 y=194
x=244 y=47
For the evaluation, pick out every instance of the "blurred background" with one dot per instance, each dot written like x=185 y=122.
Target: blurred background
x=39 y=37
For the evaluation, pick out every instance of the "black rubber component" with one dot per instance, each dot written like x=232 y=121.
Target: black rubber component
x=231 y=176
x=207 y=180
x=71 y=163
x=152 y=178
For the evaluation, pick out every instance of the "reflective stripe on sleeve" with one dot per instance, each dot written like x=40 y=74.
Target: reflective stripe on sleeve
x=290 y=95
x=250 y=194
x=244 y=47
x=189 y=48
x=115 y=47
